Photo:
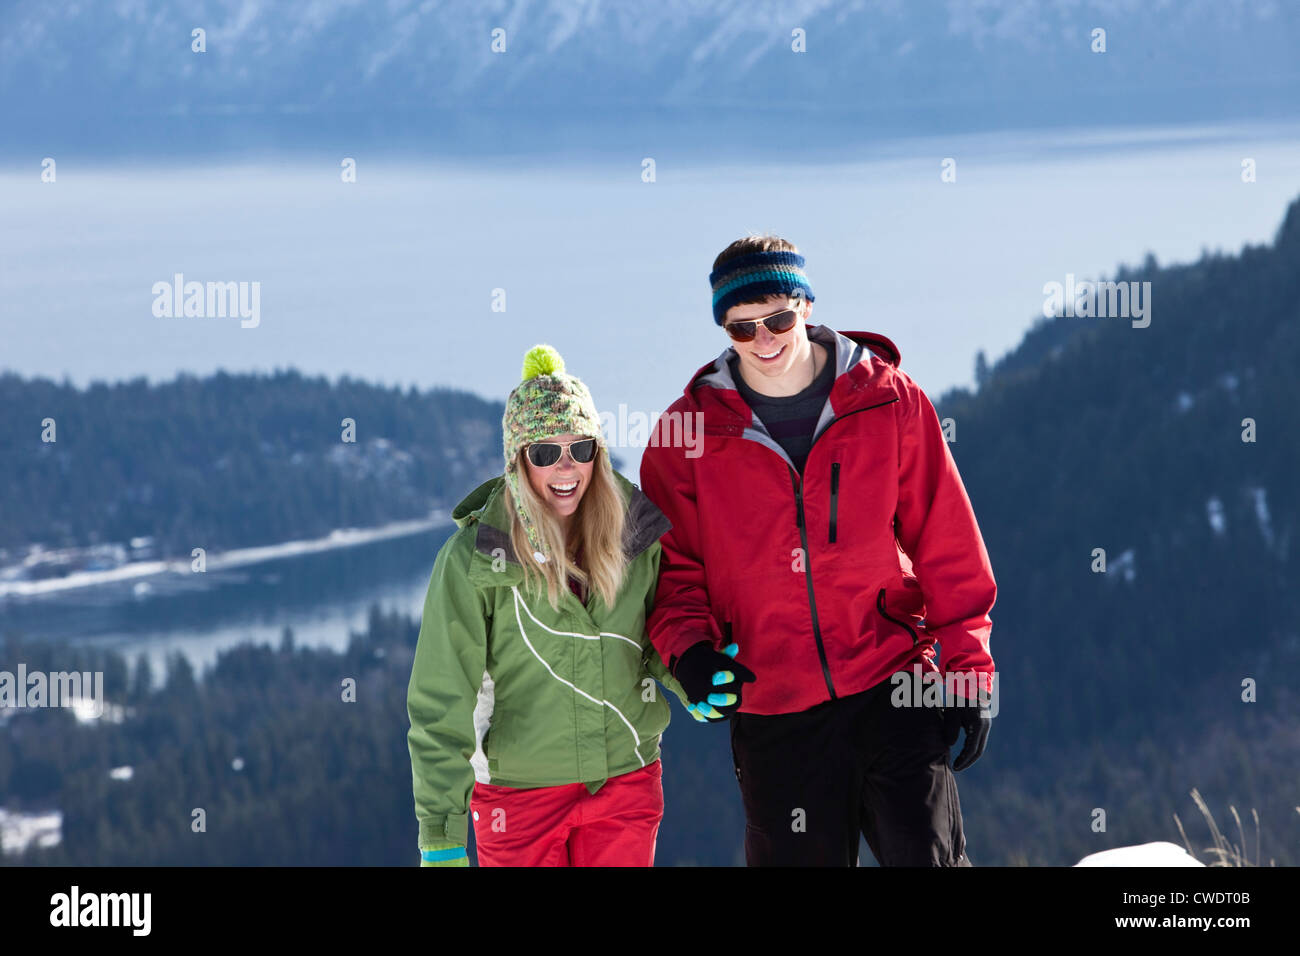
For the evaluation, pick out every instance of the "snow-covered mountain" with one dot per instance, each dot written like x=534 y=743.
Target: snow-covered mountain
x=909 y=66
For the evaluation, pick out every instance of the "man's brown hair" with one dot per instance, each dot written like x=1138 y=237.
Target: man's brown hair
x=752 y=243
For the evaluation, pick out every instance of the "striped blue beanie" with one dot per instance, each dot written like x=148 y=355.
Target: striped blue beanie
x=757 y=274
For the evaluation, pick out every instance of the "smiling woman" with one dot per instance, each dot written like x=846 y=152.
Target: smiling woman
x=559 y=473
x=569 y=502
x=552 y=692
x=547 y=470
x=553 y=496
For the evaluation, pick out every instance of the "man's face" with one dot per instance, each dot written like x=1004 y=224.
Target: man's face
x=769 y=355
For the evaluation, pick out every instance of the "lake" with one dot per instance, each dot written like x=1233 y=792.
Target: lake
x=322 y=596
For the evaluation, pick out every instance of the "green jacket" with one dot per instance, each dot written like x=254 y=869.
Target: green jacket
x=506 y=691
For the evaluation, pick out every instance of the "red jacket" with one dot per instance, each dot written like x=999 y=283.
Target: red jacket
x=833 y=580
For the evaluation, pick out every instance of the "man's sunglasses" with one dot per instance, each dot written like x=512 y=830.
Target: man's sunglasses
x=543 y=454
x=776 y=324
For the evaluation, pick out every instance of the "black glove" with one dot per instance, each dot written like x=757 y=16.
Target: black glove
x=972 y=716
x=712 y=680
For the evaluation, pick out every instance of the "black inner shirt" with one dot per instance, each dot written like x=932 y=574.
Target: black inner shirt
x=789 y=419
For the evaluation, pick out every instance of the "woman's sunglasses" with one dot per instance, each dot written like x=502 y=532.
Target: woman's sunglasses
x=776 y=324
x=543 y=454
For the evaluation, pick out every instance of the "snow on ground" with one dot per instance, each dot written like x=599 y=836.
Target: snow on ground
x=1214 y=511
x=1160 y=853
x=1261 y=514
x=18 y=831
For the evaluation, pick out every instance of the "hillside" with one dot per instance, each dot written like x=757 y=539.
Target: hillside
x=1130 y=439
x=1124 y=689
x=229 y=460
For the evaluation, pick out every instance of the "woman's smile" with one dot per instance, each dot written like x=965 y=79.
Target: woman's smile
x=564 y=489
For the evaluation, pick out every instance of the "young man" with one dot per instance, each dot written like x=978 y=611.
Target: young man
x=822 y=545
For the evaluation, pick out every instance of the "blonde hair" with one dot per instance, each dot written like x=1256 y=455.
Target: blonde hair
x=597 y=528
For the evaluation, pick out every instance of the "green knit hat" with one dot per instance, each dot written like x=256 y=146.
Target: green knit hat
x=547 y=402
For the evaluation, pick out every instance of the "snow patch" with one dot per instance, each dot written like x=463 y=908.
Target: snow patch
x=89 y=710
x=18 y=831
x=1262 y=516
x=1214 y=511
x=1160 y=853
x=1125 y=564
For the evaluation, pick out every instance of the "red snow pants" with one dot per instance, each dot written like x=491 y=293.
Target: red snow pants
x=569 y=826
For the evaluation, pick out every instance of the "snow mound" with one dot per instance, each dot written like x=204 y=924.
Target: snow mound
x=1160 y=853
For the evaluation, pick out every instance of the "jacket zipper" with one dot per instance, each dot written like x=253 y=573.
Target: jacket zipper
x=835 y=490
x=880 y=606
x=807 y=570
x=796 y=481
x=835 y=421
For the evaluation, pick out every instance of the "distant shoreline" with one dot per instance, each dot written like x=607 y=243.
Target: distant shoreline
x=234 y=558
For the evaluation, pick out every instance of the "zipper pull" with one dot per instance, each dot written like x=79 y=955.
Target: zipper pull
x=797 y=483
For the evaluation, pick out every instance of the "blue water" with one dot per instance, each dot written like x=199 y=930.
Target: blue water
x=322 y=596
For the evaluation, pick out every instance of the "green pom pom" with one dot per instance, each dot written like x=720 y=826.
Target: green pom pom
x=542 y=360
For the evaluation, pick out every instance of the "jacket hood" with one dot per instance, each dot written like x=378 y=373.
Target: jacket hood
x=471 y=505
x=486 y=507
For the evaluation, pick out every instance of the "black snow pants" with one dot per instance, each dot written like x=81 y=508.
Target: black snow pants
x=812 y=781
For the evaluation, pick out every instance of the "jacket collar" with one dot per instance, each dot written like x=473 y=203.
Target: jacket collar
x=859 y=382
x=852 y=353
x=485 y=507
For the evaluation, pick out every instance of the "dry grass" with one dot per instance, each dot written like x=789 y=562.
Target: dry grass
x=1224 y=852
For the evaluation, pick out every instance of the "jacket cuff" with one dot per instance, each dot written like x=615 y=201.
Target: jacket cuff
x=963 y=681
x=450 y=856
x=683 y=644
x=675 y=688
x=441 y=830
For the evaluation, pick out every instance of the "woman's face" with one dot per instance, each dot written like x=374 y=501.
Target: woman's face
x=562 y=484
